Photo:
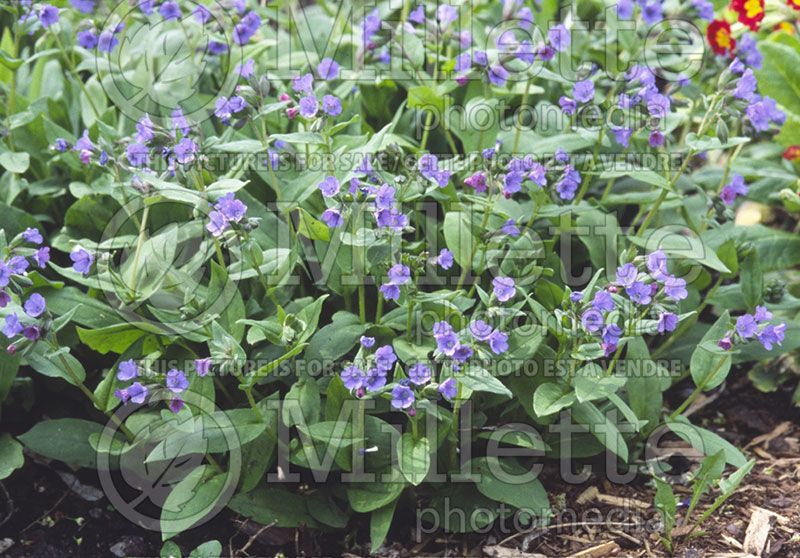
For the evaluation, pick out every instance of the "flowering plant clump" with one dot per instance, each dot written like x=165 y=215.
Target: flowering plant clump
x=387 y=265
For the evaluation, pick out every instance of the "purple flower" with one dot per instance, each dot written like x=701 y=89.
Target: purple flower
x=446 y=341
x=626 y=274
x=367 y=342
x=559 y=37
x=746 y=86
x=498 y=75
x=498 y=342
x=217 y=223
x=329 y=186
x=5 y=298
x=385 y=358
x=399 y=274
x=137 y=154
x=375 y=380
x=32 y=333
x=651 y=11
x=32 y=235
x=352 y=377
x=705 y=9
x=309 y=106
x=170 y=10
x=35 y=305
x=176 y=404
x=656 y=138
x=202 y=366
x=622 y=135
x=303 y=84
x=736 y=187
x=746 y=326
x=85 y=6
x=480 y=330
x=328 y=69
x=12 y=326
x=583 y=91
x=568 y=185
x=639 y=293
x=428 y=166
x=201 y=14
x=568 y=106
x=446 y=14
x=144 y=130
x=675 y=288
x=449 y=389
x=512 y=182
x=402 y=397
x=179 y=121
x=81 y=261
x=772 y=335
x=510 y=228
x=390 y=291
x=477 y=181
x=176 y=381
x=107 y=41
x=48 y=15
x=576 y=297
x=247 y=68
x=419 y=374
x=5 y=274
x=445 y=259
x=127 y=370
x=225 y=108
x=538 y=174
x=561 y=157
x=667 y=321
x=137 y=393
x=603 y=302
x=504 y=288
x=658 y=105
x=725 y=343
x=332 y=218
x=217 y=47
x=246 y=28
x=18 y=265
x=747 y=51
x=624 y=9
x=331 y=105
x=185 y=151
x=611 y=334
x=592 y=320
x=762 y=314
x=417 y=16
x=87 y=39
x=84 y=142
x=657 y=265
x=231 y=208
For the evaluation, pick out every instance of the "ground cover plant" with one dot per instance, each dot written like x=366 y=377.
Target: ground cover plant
x=331 y=264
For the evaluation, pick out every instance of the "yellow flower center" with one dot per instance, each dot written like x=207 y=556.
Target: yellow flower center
x=723 y=38
x=752 y=8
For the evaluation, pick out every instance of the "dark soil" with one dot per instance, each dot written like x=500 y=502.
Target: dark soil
x=45 y=518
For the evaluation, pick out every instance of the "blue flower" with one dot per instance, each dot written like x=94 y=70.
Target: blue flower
x=32 y=235
x=603 y=301
x=667 y=321
x=12 y=326
x=639 y=293
x=480 y=330
x=498 y=75
x=328 y=69
x=559 y=37
x=85 y=6
x=353 y=377
x=657 y=265
x=137 y=154
x=746 y=326
x=35 y=305
x=176 y=381
x=367 y=342
x=127 y=370
x=309 y=106
x=419 y=374
x=246 y=28
x=449 y=389
x=746 y=86
x=504 y=288
x=48 y=15
x=81 y=260
x=332 y=218
x=772 y=335
x=385 y=358
x=329 y=186
x=592 y=320
x=498 y=342
x=402 y=397
x=87 y=39
x=170 y=10
x=445 y=259
x=583 y=91
x=331 y=105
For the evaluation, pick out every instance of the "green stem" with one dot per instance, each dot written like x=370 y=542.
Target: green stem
x=137 y=256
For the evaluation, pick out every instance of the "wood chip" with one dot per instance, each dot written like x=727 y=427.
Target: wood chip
x=779 y=430
x=755 y=538
x=497 y=551
x=587 y=495
x=609 y=548
x=592 y=494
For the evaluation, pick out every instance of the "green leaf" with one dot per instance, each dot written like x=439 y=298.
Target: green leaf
x=706 y=441
x=710 y=364
x=674 y=243
x=709 y=472
x=505 y=480
x=273 y=505
x=480 y=379
x=752 y=279
x=779 y=76
x=11 y=457
x=56 y=364
x=114 y=339
x=170 y=550
x=369 y=496
x=335 y=339
x=194 y=499
x=209 y=549
x=601 y=428
x=458 y=236
x=414 y=458
x=644 y=388
x=312 y=228
x=549 y=398
x=667 y=506
x=380 y=521
x=65 y=439
x=15 y=162
x=425 y=97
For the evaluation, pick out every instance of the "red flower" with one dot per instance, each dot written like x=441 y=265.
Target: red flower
x=720 y=38
x=792 y=153
x=751 y=12
x=785 y=26
x=794 y=4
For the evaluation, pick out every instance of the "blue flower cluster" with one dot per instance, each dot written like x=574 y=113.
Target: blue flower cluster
x=754 y=326
x=175 y=382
